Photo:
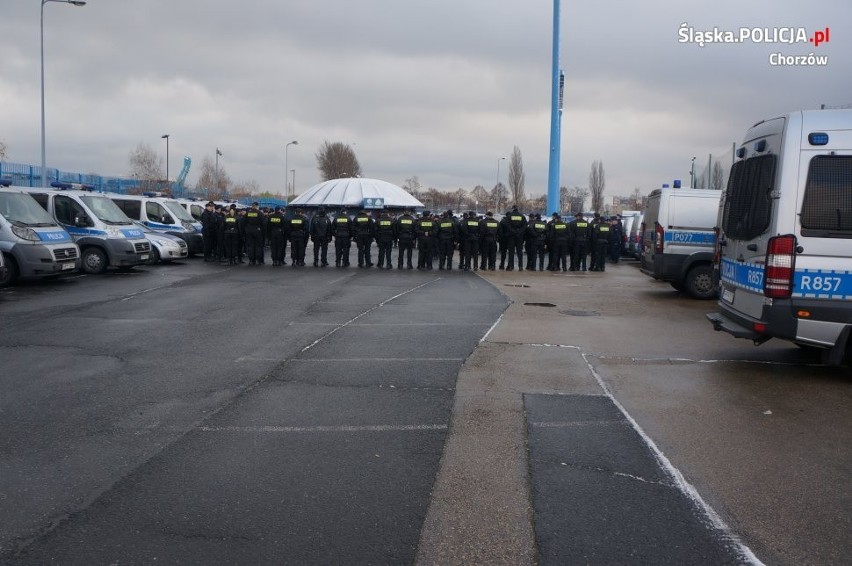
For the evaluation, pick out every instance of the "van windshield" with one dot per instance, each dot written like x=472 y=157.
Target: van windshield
x=23 y=210
x=178 y=210
x=105 y=210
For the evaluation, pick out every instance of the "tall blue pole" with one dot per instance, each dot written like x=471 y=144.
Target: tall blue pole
x=555 y=120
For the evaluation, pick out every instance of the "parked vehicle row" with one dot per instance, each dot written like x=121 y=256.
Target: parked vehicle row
x=50 y=232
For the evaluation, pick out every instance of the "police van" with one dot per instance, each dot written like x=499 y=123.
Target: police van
x=32 y=244
x=162 y=214
x=106 y=237
x=784 y=257
x=678 y=237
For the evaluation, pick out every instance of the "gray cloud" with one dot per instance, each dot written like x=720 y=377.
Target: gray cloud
x=437 y=89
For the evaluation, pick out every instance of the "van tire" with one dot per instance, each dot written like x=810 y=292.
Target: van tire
x=699 y=282
x=94 y=261
x=11 y=271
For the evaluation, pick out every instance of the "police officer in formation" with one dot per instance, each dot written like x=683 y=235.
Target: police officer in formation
x=565 y=244
x=405 y=235
x=321 y=234
x=364 y=230
x=342 y=229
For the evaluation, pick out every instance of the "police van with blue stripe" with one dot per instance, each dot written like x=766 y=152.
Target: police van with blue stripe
x=784 y=257
x=104 y=234
x=32 y=244
x=678 y=238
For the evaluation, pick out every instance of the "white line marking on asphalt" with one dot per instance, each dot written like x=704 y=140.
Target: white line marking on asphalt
x=570 y=424
x=680 y=482
x=493 y=326
x=137 y=293
x=377 y=360
x=366 y=312
x=338 y=428
x=694 y=361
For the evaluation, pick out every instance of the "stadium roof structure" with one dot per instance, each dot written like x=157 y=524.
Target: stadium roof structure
x=356 y=192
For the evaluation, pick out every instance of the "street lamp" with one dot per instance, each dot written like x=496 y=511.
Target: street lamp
x=286 y=170
x=166 y=137
x=498 y=182
x=43 y=151
x=218 y=153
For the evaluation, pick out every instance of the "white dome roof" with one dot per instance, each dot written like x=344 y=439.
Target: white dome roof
x=351 y=192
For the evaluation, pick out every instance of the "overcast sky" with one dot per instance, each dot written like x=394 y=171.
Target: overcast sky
x=438 y=89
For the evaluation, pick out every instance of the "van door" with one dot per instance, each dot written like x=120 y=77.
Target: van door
x=747 y=217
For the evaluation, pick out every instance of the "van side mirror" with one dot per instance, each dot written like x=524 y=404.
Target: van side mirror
x=82 y=222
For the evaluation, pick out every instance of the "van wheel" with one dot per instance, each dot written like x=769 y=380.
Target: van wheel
x=699 y=282
x=11 y=271
x=94 y=261
x=154 y=258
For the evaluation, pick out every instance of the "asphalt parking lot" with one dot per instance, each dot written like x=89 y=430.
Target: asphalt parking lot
x=199 y=413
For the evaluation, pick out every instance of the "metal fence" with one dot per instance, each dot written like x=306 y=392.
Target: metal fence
x=30 y=176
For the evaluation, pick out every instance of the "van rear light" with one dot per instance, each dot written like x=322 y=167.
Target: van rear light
x=780 y=267
x=660 y=235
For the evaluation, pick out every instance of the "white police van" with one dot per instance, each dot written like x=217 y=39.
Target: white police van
x=784 y=257
x=162 y=214
x=32 y=244
x=678 y=238
x=105 y=235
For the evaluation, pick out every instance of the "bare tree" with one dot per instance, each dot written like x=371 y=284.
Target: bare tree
x=460 y=198
x=215 y=181
x=479 y=195
x=718 y=181
x=575 y=198
x=146 y=166
x=499 y=194
x=413 y=187
x=3 y=149
x=517 y=177
x=336 y=160
x=597 y=185
x=636 y=199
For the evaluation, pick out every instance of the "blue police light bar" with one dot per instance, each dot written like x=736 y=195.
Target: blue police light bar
x=818 y=138
x=60 y=185
x=741 y=151
x=676 y=183
x=760 y=146
x=5 y=183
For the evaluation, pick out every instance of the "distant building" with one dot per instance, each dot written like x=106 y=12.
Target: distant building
x=356 y=192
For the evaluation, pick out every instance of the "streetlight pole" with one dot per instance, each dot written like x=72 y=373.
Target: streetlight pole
x=293 y=173
x=218 y=153
x=166 y=137
x=287 y=170
x=43 y=151
x=497 y=190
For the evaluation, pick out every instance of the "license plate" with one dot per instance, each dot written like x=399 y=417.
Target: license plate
x=67 y=266
x=143 y=257
x=728 y=296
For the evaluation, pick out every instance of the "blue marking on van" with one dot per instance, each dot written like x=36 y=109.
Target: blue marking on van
x=54 y=236
x=133 y=233
x=75 y=231
x=807 y=283
x=744 y=275
x=690 y=238
x=822 y=284
x=162 y=227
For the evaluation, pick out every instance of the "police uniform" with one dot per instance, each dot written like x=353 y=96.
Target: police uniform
x=488 y=230
x=276 y=229
x=231 y=236
x=601 y=233
x=384 y=239
x=425 y=228
x=515 y=238
x=253 y=227
x=470 y=236
x=299 y=231
x=320 y=236
x=342 y=230
x=448 y=232
x=364 y=230
x=558 y=238
x=405 y=236
x=580 y=239
x=537 y=230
